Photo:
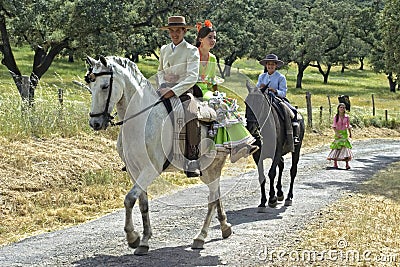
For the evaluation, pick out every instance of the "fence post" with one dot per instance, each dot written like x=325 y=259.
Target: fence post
x=309 y=109
x=329 y=105
x=373 y=105
x=320 y=114
x=386 y=115
x=60 y=96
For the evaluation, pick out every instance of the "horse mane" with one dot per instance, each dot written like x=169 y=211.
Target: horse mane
x=132 y=69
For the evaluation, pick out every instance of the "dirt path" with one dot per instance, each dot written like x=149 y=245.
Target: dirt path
x=175 y=222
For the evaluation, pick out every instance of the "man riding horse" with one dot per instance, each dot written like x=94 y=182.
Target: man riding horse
x=178 y=72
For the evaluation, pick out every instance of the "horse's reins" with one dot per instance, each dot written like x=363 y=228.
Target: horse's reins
x=91 y=77
x=266 y=99
x=138 y=113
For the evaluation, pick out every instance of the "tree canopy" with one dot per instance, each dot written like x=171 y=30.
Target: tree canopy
x=319 y=33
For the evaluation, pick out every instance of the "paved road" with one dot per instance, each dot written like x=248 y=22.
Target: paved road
x=177 y=218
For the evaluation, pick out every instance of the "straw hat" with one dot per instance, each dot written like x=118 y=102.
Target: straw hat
x=272 y=57
x=176 y=22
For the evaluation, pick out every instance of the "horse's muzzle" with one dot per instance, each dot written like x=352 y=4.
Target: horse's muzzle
x=99 y=123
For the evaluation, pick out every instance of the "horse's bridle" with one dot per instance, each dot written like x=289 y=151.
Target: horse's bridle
x=91 y=77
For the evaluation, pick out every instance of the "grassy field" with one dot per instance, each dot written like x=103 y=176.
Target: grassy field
x=56 y=172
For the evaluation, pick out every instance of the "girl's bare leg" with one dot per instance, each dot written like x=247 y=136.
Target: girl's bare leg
x=347 y=165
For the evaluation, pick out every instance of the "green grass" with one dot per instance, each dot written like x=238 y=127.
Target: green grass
x=50 y=118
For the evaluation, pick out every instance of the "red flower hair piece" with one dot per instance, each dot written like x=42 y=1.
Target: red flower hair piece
x=208 y=23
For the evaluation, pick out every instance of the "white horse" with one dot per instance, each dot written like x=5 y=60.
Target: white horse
x=117 y=82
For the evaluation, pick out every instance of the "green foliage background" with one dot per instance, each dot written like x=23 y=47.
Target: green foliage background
x=50 y=118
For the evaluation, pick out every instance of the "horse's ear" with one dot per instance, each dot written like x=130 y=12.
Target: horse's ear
x=90 y=61
x=103 y=61
x=250 y=87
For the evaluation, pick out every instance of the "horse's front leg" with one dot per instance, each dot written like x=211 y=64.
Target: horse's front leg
x=226 y=228
x=279 y=193
x=261 y=207
x=262 y=180
x=293 y=173
x=143 y=248
x=211 y=179
x=132 y=236
x=198 y=242
x=273 y=200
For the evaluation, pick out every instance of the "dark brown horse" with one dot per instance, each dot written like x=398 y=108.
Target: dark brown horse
x=268 y=127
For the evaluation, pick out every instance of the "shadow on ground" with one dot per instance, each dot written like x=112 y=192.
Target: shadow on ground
x=172 y=256
x=372 y=166
x=248 y=215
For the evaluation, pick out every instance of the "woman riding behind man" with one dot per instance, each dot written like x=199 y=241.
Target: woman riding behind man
x=231 y=133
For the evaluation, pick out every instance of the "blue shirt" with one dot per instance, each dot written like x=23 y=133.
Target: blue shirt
x=276 y=81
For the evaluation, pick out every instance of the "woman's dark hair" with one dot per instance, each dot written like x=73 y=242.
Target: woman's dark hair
x=203 y=32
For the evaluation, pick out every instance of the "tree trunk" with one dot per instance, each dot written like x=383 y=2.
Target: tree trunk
x=361 y=63
x=228 y=64
x=41 y=63
x=71 y=57
x=8 y=56
x=324 y=74
x=392 y=83
x=300 y=74
x=227 y=70
x=221 y=71
x=301 y=67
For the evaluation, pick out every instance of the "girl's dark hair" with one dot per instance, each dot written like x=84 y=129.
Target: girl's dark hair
x=203 y=32
x=337 y=114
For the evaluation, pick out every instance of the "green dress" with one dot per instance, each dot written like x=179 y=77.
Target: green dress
x=341 y=146
x=231 y=131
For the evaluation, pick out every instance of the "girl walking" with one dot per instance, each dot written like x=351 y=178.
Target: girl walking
x=341 y=146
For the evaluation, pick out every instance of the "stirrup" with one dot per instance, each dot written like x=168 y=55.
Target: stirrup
x=253 y=149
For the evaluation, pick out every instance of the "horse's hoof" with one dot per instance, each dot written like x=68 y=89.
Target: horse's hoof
x=272 y=202
x=198 y=244
x=281 y=197
x=227 y=232
x=261 y=209
x=288 y=202
x=141 y=250
x=135 y=244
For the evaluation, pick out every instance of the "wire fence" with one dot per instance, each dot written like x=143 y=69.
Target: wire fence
x=373 y=113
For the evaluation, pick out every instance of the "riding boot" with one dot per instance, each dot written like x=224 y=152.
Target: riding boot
x=296 y=132
x=192 y=168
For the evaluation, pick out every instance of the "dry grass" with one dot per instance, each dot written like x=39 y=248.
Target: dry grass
x=361 y=229
x=51 y=184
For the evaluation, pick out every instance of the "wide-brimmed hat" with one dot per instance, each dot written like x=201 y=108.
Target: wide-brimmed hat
x=272 y=57
x=176 y=22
